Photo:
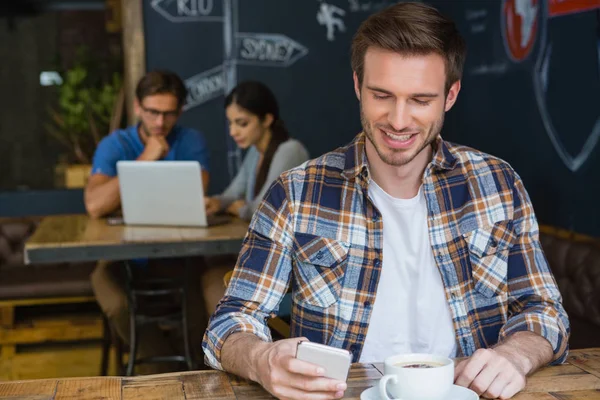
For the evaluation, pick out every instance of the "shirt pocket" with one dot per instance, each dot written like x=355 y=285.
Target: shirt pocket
x=488 y=253
x=319 y=273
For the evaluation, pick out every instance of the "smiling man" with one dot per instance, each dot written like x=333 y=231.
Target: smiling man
x=400 y=242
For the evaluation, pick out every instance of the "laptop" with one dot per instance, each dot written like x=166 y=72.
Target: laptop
x=164 y=193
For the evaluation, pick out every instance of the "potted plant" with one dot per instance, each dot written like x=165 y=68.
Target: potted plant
x=89 y=107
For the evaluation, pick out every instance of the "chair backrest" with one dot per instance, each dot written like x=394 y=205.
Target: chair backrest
x=227 y=278
x=14 y=232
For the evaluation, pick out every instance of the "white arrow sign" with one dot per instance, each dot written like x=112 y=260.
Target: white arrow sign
x=261 y=49
x=265 y=49
x=186 y=10
x=204 y=87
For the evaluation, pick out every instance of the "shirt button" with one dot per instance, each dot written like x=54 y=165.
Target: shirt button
x=494 y=243
x=377 y=262
x=367 y=304
x=354 y=348
x=454 y=295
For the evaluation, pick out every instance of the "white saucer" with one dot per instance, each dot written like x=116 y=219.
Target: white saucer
x=456 y=393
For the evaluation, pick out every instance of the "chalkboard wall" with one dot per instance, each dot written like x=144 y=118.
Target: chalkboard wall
x=530 y=92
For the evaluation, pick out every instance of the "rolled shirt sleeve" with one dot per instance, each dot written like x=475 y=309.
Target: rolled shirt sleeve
x=535 y=303
x=260 y=279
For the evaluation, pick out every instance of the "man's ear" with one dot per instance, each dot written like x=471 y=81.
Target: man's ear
x=137 y=107
x=356 y=85
x=452 y=95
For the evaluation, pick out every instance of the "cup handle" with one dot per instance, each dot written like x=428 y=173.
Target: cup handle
x=383 y=386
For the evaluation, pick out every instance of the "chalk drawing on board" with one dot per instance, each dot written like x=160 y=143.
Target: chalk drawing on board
x=489 y=69
x=477 y=20
x=268 y=49
x=186 y=10
x=471 y=15
x=522 y=21
x=368 y=6
x=519 y=25
x=230 y=29
x=239 y=48
x=330 y=16
x=204 y=87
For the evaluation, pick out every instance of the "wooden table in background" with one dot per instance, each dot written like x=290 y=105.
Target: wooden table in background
x=73 y=238
x=578 y=379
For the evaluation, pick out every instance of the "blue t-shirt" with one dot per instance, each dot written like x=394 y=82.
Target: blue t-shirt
x=125 y=144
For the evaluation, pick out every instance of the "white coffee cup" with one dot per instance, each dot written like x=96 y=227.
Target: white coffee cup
x=406 y=383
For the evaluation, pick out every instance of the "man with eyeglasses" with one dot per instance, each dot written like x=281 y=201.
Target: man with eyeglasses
x=160 y=96
x=158 y=105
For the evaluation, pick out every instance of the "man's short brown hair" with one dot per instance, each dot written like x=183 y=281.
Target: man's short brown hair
x=411 y=29
x=161 y=82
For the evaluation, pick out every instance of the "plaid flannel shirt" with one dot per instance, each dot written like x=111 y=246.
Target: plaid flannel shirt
x=318 y=231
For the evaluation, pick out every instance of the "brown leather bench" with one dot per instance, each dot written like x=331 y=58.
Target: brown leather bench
x=575 y=262
x=40 y=287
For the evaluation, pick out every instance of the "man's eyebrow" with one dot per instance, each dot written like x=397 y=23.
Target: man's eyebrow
x=424 y=94
x=429 y=95
x=378 y=89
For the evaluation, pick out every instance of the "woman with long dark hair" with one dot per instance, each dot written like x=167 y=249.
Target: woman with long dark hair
x=254 y=124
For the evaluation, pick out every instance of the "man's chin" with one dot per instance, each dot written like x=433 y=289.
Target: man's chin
x=398 y=160
x=399 y=157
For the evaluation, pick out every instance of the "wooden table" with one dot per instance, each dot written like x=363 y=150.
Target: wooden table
x=578 y=379
x=72 y=238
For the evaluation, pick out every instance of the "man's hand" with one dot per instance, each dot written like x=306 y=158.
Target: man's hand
x=491 y=373
x=212 y=205
x=156 y=148
x=286 y=377
x=234 y=208
x=499 y=373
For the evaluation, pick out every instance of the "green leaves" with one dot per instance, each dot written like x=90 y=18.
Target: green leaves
x=85 y=107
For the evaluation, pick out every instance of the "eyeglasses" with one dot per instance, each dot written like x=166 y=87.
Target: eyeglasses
x=154 y=114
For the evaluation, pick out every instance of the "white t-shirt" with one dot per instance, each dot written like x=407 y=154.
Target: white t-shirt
x=411 y=313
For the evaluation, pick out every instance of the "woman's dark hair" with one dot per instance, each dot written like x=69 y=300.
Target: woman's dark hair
x=257 y=98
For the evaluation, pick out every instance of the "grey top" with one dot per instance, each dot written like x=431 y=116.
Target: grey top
x=288 y=155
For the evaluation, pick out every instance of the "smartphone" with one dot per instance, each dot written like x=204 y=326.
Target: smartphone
x=336 y=362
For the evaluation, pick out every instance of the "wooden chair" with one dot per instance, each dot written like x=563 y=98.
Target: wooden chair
x=48 y=313
x=38 y=306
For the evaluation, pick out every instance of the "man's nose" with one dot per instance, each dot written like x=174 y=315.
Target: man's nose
x=399 y=116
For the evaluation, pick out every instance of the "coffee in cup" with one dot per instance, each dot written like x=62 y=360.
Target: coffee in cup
x=417 y=377
x=418 y=365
